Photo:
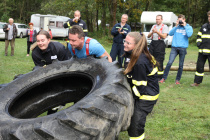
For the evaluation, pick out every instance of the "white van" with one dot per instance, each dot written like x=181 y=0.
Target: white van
x=21 y=29
x=148 y=19
x=53 y=22
x=2 y=33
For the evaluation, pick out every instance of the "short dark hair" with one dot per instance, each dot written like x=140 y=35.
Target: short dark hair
x=76 y=29
x=43 y=32
x=160 y=16
x=181 y=16
x=208 y=13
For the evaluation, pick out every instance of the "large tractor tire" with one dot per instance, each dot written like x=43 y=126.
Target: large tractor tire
x=103 y=102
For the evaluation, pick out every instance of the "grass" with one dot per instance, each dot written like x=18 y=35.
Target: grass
x=182 y=112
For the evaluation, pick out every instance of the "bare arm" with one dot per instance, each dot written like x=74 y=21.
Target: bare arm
x=106 y=54
x=150 y=34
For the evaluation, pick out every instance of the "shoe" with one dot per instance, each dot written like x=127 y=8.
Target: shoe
x=177 y=82
x=27 y=55
x=162 y=81
x=194 y=85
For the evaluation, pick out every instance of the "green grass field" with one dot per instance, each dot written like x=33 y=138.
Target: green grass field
x=181 y=113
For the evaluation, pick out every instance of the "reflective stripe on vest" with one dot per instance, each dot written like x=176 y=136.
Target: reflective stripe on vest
x=86 y=45
x=161 y=29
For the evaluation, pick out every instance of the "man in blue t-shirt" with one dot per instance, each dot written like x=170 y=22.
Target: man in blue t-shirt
x=82 y=46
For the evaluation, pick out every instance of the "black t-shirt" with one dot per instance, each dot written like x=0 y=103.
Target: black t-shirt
x=54 y=51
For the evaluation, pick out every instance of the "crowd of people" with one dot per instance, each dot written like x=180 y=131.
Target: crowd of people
x=143 y=66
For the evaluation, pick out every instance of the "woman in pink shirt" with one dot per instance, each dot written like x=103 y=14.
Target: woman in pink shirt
x=31 y=37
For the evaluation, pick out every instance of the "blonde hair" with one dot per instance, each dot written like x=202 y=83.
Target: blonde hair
x=140 y=47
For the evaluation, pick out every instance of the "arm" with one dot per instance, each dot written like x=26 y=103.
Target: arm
x=162 y=35
x=106 y=54
x=62 y=55
x=67 y=24
x=172 y=31
x=36 y=59
x=139 y=79
x=151 y=32
x=199 y=39
x=5 y=29
x=114 y=30
x=189 y=30
x=127 y=31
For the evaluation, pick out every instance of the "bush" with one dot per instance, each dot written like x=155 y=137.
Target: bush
x=192 y=39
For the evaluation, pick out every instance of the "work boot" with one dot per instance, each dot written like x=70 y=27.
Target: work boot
x=162 y=81
x=194 y=85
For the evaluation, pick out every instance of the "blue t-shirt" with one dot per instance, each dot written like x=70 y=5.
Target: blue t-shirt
x=95 y=48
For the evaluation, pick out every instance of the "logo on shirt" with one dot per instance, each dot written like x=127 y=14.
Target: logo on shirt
x=183 y=32
x=81 y=24
x=54 y=57
x=204 y=29
x=127 y=60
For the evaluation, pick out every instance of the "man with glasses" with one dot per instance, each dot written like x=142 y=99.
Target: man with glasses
x=119 y=31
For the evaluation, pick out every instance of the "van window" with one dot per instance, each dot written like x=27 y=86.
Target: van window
x=147 y=27
x=59 y=24
x=1 y=26
x=52 y=23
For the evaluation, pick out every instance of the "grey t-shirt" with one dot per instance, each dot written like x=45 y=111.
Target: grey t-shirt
x=155 y=35
x=10 y=32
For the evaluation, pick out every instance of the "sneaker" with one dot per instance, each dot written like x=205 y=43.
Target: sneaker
x=162 y=81
x=177 y=82
x=194 y=85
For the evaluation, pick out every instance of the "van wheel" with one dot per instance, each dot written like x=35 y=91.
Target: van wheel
x=21 y=35
x=103 y=102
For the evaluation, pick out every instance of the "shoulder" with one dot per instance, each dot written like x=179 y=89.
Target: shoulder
x=204 y=25
x=142 y=59
x=127 y=25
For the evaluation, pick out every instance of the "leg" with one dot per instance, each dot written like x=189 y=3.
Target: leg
x=12 y=43
x=28 y=47
x=120 y=54
x=182 y=53
x=160 y=56
x=200 y=68
x=113 y=52
x=138 y=121
x=172 y=57
x=6 y=47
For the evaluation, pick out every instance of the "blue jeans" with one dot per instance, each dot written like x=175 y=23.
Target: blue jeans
x=174 y=52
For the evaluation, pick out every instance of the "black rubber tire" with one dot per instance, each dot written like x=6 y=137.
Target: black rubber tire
x=103 y=108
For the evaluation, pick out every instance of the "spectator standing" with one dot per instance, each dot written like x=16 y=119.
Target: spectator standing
x=181 y=32
x=10 y=35
x=141 y=70
x=158 y=33
x=77 y=21
x=31 y=37
x=203 y=43
x=50 y=32
x=82 y=46
x=119 y=31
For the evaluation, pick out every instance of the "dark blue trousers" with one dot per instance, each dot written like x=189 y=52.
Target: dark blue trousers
x=117 y=50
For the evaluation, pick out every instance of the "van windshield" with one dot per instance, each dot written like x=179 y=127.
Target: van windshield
x=1 y=26
x=147 y=27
